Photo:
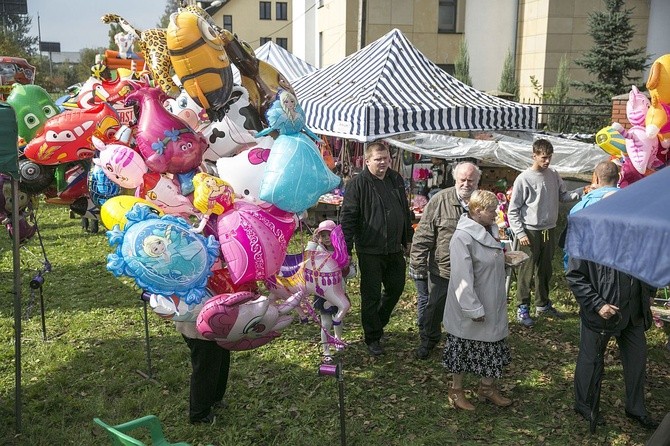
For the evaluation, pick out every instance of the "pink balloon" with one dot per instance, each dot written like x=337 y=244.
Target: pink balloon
x=244 y=320
x=254 y=240
x=165 y=141
x=166 y=194
x=120 y=163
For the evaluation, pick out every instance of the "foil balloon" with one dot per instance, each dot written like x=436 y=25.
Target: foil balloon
x=113 y=211
x=244 y=320
x=35 y=178
x=153 y=44
x=296 y=174
x=71 y=183
x=200 y=61
x=244 y=172
x=262 y=80
x=120 y=163
x=67 y=136
x=86 y=208
x=162 y=255
x=166 y=142
x=186 y=109
x=175 y=308
x=287 y=117
x=220 y=282
x=6 y=199
x=33 y=107
x=100 y=187
x=26 y=229
x=254 y=240
x=233 y=133
x=611 y=141
x=162 y=191
x=212 y=195
x=84 y=96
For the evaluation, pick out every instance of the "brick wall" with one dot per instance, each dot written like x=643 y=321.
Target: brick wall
x=619 y=111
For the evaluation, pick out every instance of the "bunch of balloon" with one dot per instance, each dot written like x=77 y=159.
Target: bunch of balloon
x=643 y=147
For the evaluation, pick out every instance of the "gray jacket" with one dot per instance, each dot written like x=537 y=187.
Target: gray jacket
x=477 y=285
x=430 y=245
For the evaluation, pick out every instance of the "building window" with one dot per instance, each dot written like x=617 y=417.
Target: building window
x=282 y=42
x=266 y=10
x=282 y=11
x=228 y=22
x=447 y=16
x=447 y=68
x=265 y=40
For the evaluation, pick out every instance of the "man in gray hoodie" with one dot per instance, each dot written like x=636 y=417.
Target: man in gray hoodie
x=532 y=215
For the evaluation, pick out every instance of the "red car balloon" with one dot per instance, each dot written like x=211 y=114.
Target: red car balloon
x=67 y=137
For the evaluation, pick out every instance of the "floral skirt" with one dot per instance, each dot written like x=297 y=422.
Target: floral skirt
x=486 y=359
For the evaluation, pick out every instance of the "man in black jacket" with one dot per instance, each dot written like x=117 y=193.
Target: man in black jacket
x=611 y=303
x=376 y=218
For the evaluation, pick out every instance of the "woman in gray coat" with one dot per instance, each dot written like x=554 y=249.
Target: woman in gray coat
x=475 y=316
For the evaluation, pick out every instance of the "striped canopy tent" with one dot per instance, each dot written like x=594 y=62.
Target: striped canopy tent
x=389 y=87
x=291 y=66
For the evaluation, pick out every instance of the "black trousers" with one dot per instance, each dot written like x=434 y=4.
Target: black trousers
x=209 y=376
x=633 y=346
x=431 y=323
x=376 y=306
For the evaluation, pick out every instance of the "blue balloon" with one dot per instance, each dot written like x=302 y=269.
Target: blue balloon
x=296 y=174
x=287 y=117
x=162 y=255
x=100 y=187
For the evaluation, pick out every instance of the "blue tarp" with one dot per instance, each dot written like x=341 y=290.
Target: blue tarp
x=629 y=230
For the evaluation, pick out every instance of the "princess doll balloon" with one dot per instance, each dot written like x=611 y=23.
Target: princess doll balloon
x=212 y=195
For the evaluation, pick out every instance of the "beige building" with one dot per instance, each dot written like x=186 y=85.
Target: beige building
x=537 y=32
x=256 y=22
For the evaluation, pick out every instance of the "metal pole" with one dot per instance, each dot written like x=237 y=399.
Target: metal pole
x=39 y=34
x=340 y=391
x=17 y=303
x=146 y=336
x=44 y=322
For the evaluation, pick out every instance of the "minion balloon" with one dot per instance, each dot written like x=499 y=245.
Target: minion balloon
x=200 y=61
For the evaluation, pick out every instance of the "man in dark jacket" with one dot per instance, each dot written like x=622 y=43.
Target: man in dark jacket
x=429 y=258
x=611 y=303
x=376 y=218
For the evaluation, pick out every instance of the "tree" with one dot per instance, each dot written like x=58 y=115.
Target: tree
x=462 y=64
x=559 y=117
x=508 y=82
x=15 y=37
x=614 y=66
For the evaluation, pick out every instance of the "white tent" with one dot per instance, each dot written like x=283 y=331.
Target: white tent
x=291 y=66
x=389 y=87
x=511 y=149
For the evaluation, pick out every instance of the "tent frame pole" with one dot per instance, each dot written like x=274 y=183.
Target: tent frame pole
x=17 y=303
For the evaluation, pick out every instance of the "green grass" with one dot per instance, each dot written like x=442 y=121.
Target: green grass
x=89 y=367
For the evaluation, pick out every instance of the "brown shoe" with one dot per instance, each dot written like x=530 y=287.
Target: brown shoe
x=457 y=398
x=492 y=394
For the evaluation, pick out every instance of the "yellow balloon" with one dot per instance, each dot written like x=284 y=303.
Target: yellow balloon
x=611 y=141
x=212 y=195
x=113 y=211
